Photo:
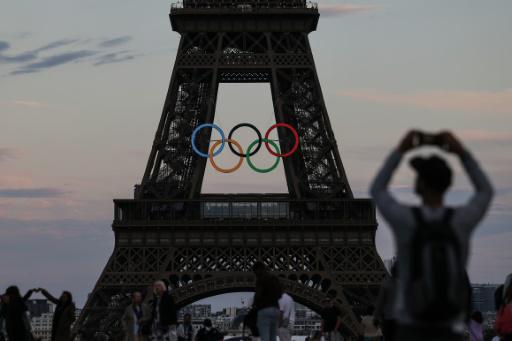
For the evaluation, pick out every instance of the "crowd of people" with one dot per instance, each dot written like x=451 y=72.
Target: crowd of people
x=14 y=318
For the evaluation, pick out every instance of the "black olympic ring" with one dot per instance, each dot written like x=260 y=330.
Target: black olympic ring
x=248 y=125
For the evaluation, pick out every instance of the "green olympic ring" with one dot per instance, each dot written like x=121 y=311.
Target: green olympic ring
x=248 y=156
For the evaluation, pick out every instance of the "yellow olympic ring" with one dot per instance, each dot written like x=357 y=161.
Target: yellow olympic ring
x=230 y=170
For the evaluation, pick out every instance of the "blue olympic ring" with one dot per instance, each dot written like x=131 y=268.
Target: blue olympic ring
x=208 y=125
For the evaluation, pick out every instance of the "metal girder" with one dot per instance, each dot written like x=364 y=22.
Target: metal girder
x=307 y=273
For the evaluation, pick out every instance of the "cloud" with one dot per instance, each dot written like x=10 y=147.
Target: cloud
x=25 y=103
x=115 y=57
x=499 y=102
x=19 y=58
x=4 y=45
x=485 y=136
x=55 y=44
x=33 y=54
x=31 y=193
x=32 y=62
x=53 y=61
x=342 y=9
x=115 y=41
x=7 y=154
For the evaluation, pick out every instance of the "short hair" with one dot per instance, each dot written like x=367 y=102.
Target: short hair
x=434 y=171
x=160 y=283
x=207 y=323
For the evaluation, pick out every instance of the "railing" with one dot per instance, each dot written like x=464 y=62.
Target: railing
x=258 y=210
x=243 y=5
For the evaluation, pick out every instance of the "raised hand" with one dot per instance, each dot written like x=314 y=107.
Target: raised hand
x=410 y=141
x=451 y=143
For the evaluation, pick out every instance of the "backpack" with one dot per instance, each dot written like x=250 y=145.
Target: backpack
x=503 y=324
x=438 y=289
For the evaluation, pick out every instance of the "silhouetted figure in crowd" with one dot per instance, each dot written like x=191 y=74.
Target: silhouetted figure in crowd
x=136 y=319
x=266 y=302
x=2 y=319
x=433 y=294
x=384 y=309
x=165 y=314
x=14 y=312
x=371 y=329
x=64 y=314
x=504 y=316
x=208 y=332
x=186 y=331
x=286 y=317
x=331 y=321
x=476 y=328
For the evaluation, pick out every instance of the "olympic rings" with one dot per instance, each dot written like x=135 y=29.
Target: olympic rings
x=294 y=132
x=229 y=170
x=253 y=167
x=205 y=125
x=212 y=152
x=249 y=126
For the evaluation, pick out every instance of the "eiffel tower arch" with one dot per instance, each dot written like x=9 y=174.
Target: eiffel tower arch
x=317 y=238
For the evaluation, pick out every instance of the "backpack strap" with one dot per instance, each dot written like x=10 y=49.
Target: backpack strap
x=418 y=216
x=420 y=220
x=448 y=215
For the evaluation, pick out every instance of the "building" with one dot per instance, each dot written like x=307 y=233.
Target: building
x=198 y=311
x=42 y=325
x=38 y=307
x=482 y=297
x=306 y=320
x=231 y=311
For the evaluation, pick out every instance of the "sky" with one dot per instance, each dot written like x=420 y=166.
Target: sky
x=82 y=84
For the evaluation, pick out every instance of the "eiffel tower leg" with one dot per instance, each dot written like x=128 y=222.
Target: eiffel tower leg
x=130 y=268
x=316 y=170
x=173 y=169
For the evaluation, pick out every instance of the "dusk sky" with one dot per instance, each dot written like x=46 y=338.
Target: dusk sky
x=82 y=84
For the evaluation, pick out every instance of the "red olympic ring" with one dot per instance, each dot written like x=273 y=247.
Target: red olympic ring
x=295 y=134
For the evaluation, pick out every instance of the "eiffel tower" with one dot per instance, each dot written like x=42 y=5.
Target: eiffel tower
x=317 y=238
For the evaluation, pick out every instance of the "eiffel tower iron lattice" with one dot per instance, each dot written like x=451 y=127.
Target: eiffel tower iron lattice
x=317 y=238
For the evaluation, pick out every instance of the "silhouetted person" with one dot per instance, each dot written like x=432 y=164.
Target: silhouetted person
x=136 y=318
x=476 y=329
x=432 y=240
x=186 y=330
x=14 y=311
x=2 y=319
x=266 y=302
x=331 y=321
x=165 y=315
x=371 y=330
x=504 y=316
x=286 y=318
x=64 y=315
x=208 y=332
x=384 y=309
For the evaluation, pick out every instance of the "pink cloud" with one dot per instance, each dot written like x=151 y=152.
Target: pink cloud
x=19 y=181
x=485 y=136
x=25 y=103
x=7 y=153
x=342 y=9
x=499 y=102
